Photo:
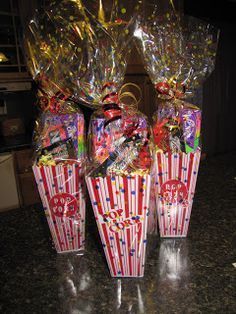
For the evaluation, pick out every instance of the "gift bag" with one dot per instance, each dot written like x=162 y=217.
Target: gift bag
x=59 y=137
x=178 y=54
x=118 y=176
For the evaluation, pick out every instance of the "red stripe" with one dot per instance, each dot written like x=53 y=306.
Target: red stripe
x=180 y=165
x=140 y=196
x=55 y=181
x=183 y=218
x=77 y=185
x=70 y=220
x=55 y=178
x=160 y=181
x=139 y=226
x=109 y=249
x=65 y=169
x=170 y=177
x=126 y=197
x=68 y=234
x=190 y=167
x=126 y=188
x=170 y=165
x=110 y=192
x=45 y=183
x=159 y=168
x=98 y=209
x=97 y=198
x=119 y=252
x=79 y=191
x=129 y=250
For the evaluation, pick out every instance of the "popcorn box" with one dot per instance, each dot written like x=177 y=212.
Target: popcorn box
x=176 y=176
x=121 y=209
x=61 y=189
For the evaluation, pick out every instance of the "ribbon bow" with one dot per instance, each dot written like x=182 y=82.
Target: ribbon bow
x=113 y=101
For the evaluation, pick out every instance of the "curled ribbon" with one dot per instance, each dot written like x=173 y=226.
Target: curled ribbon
x=166 y=91
x=113 y=102
x=53 y=103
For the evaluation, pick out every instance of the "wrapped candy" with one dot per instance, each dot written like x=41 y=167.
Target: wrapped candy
x=178 y=54
x=59 y=163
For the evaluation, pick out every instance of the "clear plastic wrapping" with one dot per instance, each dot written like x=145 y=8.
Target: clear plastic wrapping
x=179 y=53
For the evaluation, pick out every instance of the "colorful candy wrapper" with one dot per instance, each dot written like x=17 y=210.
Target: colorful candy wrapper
x=178 y=53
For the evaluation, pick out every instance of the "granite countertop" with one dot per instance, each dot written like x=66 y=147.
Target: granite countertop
x=193 y=275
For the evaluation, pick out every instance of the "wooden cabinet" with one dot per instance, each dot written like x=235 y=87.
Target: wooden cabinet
x=12 y=60
x=28 y=191
x=136 y=74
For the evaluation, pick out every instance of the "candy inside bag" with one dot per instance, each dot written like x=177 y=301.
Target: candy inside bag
x=122 y=146
x=176 y=128
x=54 y=129
x=119 y=136
x=179 y=53
x=54 y=54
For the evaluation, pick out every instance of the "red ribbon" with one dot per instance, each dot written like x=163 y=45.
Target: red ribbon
x=165 y=89
x=111 y=108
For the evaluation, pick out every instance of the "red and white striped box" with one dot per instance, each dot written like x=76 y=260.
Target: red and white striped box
x=62 y=192
x=121 y=209
x=176 y=177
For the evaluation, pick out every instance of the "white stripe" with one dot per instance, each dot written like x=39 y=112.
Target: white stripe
x=95 y=209
x=58 y=220
x=51 y=194
x=52 y=227
x=121 y=234
x=110 y=234
x=117 y=206
x=144 y=230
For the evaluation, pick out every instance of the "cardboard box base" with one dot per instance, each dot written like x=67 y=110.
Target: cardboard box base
x=121 y=209
x=61 y=189
x=176 y=176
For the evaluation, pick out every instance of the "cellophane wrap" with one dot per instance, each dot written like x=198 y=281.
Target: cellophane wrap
x=178 y=54
x=59 y=136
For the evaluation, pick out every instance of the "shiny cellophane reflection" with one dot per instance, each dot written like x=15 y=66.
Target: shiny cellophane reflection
x=179 y=53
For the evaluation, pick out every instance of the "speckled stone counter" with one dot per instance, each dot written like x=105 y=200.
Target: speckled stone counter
x=193 y=275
